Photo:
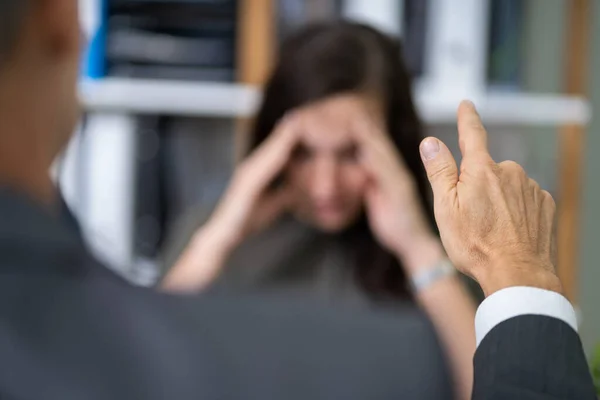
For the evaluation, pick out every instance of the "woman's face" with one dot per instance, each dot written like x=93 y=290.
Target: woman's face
x=325 y=175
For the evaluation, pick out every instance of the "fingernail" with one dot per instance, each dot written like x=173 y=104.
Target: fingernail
x=430 y=148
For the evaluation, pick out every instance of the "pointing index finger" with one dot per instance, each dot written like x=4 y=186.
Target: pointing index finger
x=472 y=135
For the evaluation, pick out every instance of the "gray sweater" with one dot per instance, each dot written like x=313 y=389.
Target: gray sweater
x=288 y=255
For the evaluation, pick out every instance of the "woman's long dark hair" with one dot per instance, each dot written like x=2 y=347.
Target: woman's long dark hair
x=327 y=59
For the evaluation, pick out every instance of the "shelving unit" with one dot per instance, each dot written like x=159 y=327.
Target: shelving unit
x=236 y=100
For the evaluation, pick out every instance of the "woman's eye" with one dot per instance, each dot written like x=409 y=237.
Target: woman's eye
x=349 y=155
x=300 y=154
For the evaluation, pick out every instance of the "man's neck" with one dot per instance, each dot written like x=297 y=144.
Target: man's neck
x=26 y=175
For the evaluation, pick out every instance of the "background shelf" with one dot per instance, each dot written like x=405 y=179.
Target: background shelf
x=232 y=100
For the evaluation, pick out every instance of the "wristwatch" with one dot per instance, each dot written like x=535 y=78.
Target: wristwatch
x=429 y=276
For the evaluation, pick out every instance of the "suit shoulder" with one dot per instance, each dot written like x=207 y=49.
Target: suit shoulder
x=396 y=352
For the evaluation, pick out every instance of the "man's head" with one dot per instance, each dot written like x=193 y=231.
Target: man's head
x=39 y=64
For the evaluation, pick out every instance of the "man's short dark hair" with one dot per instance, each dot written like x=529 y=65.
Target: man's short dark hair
x=11 y=17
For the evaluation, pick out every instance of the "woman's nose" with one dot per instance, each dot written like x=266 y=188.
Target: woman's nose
x=325 y=180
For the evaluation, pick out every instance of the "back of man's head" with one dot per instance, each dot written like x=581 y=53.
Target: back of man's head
x=11 y=17
x=40 y=44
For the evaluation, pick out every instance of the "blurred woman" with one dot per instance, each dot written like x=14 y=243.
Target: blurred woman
x=333 y=200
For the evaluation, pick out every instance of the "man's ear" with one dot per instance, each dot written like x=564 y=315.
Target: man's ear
x=57 y=23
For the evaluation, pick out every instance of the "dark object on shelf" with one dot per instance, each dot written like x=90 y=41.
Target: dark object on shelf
x=148 y=47
x=169 y=72
x=149 y=199
x=177 y=39
x=415 y=35
x=506 y=31
x=293 y=14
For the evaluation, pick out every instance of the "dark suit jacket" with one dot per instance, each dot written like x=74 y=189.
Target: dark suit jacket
x=70 y=329
x=532 y=358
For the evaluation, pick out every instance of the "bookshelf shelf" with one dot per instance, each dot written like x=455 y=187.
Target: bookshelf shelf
x=179 y=98
x=524 y=109
x=232 y=100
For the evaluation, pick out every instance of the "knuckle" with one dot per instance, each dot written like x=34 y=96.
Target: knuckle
x=514 y=171
x=549 y=201
x=491 y=172
x=534 y=185
x=483 y=159
x=443 y=171
x=484 y=167
x=512 y=167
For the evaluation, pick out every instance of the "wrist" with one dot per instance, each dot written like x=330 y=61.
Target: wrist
x=423 y=281
x=509 y=273
x=421 y=254
x=200 y=263
x=209 y=251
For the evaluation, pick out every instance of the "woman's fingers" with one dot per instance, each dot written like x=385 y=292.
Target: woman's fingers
x=237 y=211
x=268 y=160
x=378 y=152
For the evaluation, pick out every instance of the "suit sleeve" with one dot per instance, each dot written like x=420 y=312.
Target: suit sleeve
x=532 y=357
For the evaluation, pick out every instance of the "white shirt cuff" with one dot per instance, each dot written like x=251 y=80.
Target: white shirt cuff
x=516 y=301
